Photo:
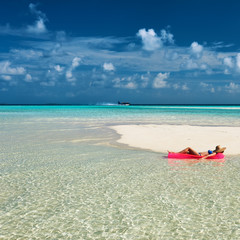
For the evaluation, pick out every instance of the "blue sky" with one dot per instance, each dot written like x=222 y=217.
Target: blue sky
x=88 y=52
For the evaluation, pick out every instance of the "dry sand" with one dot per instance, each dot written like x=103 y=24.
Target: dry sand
x=160 y=138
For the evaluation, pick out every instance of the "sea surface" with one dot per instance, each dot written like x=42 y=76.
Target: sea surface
x=64 y=176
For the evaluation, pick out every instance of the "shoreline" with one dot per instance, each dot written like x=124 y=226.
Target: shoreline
x=161 y=138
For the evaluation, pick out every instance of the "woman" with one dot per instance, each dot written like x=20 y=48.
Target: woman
x=209 y=153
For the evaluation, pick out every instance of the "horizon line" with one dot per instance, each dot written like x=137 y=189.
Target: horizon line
x=131 y=104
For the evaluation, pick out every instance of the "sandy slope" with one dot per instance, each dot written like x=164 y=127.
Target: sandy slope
x=161 y=138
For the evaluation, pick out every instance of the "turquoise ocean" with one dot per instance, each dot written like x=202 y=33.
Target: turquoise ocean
x=64 y=176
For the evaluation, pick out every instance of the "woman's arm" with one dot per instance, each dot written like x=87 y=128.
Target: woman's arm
x=209 y=155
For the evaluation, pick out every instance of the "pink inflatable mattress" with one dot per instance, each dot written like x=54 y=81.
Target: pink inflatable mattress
x=186 y=156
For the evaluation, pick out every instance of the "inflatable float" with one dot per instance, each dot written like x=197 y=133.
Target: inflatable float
x=189 y=156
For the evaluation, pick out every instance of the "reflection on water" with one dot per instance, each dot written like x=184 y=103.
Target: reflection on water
x=69 y=180
x=190 y=162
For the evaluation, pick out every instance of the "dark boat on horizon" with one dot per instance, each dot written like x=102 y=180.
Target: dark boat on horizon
x=124 y=103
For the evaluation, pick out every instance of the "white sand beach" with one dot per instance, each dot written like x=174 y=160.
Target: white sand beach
x=160 y=138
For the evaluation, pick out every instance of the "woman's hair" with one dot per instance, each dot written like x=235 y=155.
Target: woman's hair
x=219 y=149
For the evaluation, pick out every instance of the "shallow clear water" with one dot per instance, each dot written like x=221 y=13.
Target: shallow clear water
x=62 y=176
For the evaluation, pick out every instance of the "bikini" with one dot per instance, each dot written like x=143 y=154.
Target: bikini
x=209 y=152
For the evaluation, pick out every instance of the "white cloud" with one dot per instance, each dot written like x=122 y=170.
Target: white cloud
x=207 y=87
x=124 y=83
x=168 y=59
x=183 y=87
x=5 y=68
x=150 y=39
x=176 y=86
x=69 y=74
x=228 y=61
x=238 y=61
x=63 y=61
x=190 y=64
x=116 y=82
x=203 y=84
x=196 y=49
x=33 y=10
x=167 y=37
x=28 y=78
x=226 y=71
x=108 y=67
x=34 y=30
x=6 y=77
x=232 y=64
x=159 y=81
x=26 y=54
x=232 y=87
x=203 y=66
x=75 y=62
x=145 y=80
x=58 y=68
x=131 y=85
x=39 y=26
x=171 y=55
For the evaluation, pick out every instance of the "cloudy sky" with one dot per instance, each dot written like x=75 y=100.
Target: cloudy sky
x=102 y=51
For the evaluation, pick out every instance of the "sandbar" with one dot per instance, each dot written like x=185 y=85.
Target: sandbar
x=160 y=138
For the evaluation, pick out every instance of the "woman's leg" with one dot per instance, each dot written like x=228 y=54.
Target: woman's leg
x=185 y=150
x=193 y=152
x=189 y=150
